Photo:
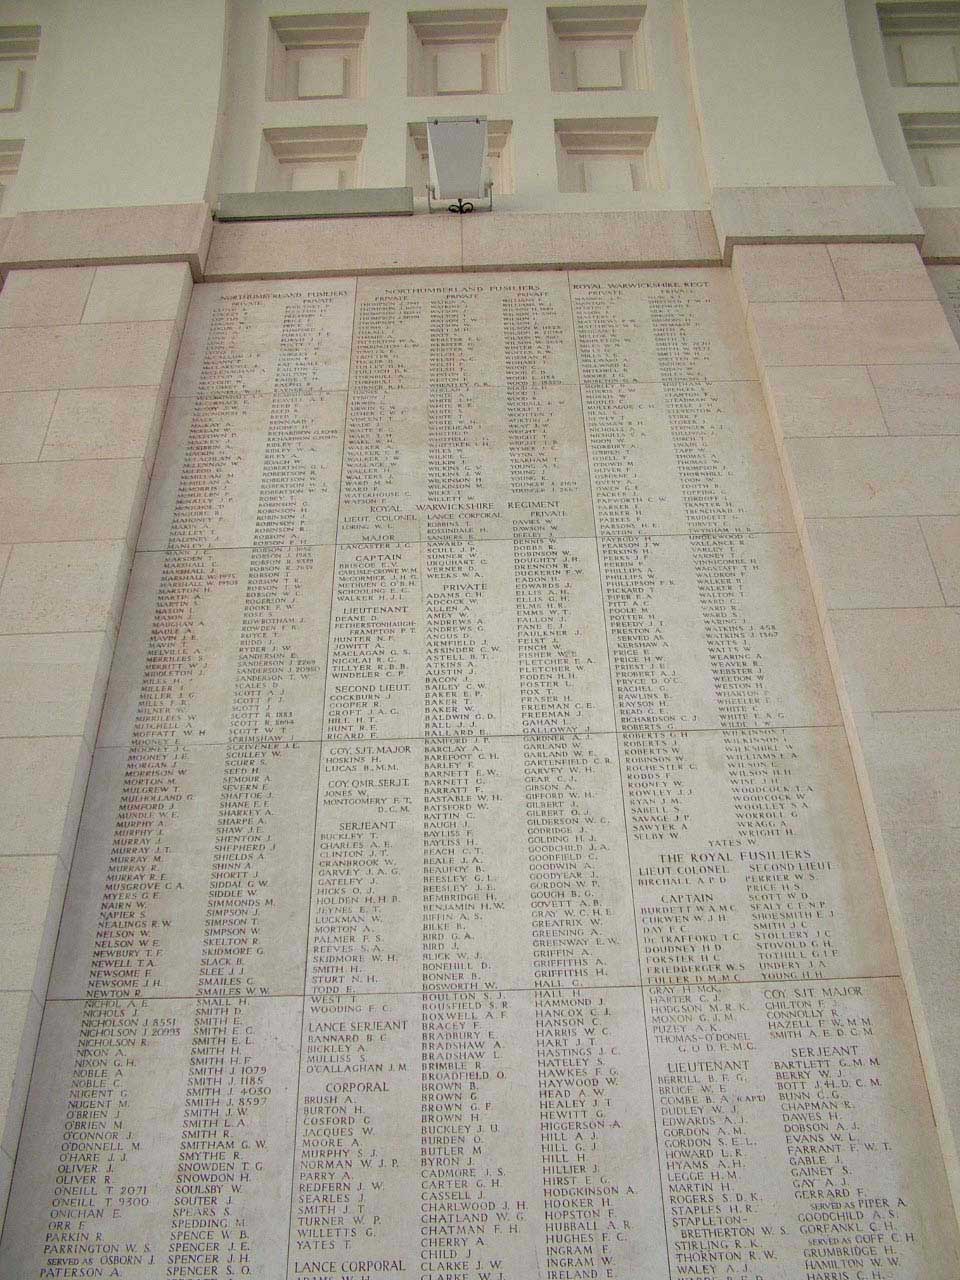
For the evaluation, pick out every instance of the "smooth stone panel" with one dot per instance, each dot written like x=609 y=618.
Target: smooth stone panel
x=27 y=898
x=943 y=540
x=332 y=247
x=912 y=757
x=64 y=586
x=824 y=401
x=85 y=355
x=804 y=215
x=641 y=238
x=144 y=233
x=155 y=292
x=55 y=296
x=104 y=422
x=873 y=563
x=52 y=684
x=785 y=273
x=919 y=400
x=52 y=501
x=44 y=783
x=883 y=477
x=832 y=333
x=876 y=272
x=24 y=418
x=873 y=644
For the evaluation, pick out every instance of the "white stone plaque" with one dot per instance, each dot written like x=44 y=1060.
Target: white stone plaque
x=473 y=882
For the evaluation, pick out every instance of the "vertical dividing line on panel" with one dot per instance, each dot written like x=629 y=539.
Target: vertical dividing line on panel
x=623 y=799
x=316 y=805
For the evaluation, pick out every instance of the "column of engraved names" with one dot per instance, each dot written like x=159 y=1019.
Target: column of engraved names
x=233 y=1139
x=128 y=944
x=474 y=1177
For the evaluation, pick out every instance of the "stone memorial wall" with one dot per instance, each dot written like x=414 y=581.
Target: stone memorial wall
x=473 y=880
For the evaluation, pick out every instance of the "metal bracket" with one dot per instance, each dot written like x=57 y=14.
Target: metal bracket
x=461 y=205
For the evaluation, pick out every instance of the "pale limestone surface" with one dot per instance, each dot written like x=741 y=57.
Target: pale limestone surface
x=800 y=215
x=888 y=476
x=64 y=586
x=529 y=814
x=831 y=333
x=108 y=355
x=242 y=250
x=874 y=643
x=51 y=501
x=877 y=505
x=104 y=422
x=919 y=400
x=146 y=233
x=44 y=781
x=786 y=273
x=49 y=683
x=25 y=416
x=942 y=534
x=26 y=889
x=153 y=292
x=74 y=470
x=52 y=297
x=874 y=563
x=825 y=401
x=879 y=272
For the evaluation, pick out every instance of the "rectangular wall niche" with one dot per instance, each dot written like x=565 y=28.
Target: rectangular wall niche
x=312 y=158
x=933 y=140
x=317 y=55
x=456 y=51
x=11 y=149
x=921 y=42
x=607 y=155
x=499 y=154
x=19 y=47
x=597 y=47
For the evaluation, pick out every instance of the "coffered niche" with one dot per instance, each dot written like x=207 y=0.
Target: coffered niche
x=607 y=154
x=921 y=42
x=597 y=47
x=311 y=158
x=317 y=55
x=499 y=155
x=456 y=51
x=11 y=149
x=19 y=47
x=933 y=140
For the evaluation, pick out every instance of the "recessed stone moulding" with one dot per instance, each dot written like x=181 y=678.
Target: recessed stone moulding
x=317 y=55
x=456 y=51
x=933 y=140
x=597 y=47
x=607 y=154
x=311 y=158
x=921 y=42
